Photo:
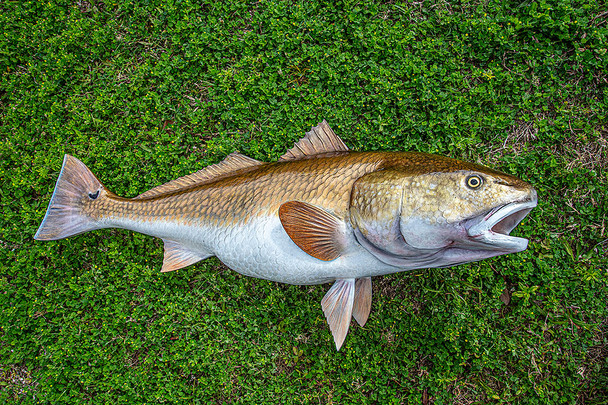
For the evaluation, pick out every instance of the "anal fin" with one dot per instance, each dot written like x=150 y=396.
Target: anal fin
x=178 y=256
x=363 y=300
x=337 y=306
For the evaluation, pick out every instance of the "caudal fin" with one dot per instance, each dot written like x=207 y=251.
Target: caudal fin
x=76 y=187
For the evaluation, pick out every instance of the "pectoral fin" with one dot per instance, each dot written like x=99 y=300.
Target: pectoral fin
x=314 y=230
x=363 y=300
x=178 y=256
x=338 y=308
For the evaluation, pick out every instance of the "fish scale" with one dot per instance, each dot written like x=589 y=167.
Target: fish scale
x=238 y=199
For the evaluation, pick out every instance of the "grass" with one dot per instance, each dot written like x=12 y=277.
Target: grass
x=144 y=92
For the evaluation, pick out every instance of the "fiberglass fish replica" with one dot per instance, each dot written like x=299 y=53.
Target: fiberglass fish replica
x=320 y=214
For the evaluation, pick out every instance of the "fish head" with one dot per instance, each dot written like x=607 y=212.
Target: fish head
x=449 y=212
x=462 y=212
x=471 y=209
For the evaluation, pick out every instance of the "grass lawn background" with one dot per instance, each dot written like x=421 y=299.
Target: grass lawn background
x=144 y=92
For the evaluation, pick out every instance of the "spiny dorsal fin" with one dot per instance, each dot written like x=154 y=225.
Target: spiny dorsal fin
x=178 y=256
x=363 y=300
x=337 y=306
x=314 y=230
x=320 y=139
x=233 y=162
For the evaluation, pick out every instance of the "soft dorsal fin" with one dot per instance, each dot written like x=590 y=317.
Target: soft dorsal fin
x=314 y=230
x=337 y=306
x=320 y=139
x=233 y=162
x=178 y=256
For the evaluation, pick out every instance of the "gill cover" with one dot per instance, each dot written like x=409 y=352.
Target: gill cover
x=375 y=215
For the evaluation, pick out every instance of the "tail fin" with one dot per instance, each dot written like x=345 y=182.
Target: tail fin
x=76 y=186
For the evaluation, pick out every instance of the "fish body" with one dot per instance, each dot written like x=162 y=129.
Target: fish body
x=320 y=214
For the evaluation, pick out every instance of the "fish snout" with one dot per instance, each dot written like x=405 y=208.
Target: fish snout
x=492 y=231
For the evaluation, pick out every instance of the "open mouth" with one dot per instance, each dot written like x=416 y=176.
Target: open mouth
x=494 y=228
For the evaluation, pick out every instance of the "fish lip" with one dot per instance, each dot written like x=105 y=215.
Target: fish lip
x=494 y=227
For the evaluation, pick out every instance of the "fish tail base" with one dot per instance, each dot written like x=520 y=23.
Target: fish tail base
x=76 y=186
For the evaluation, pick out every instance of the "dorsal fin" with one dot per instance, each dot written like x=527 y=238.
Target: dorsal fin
x=233 y=162
x=320 y=139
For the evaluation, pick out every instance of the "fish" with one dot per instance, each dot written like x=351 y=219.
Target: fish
x=320 y=214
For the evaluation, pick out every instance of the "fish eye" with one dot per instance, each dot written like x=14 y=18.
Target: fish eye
x=474 y=181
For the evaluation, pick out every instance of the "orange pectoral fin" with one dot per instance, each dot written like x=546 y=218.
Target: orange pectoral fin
x=315 y=231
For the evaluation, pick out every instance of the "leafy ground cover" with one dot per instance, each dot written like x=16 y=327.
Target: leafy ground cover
x=144 y=92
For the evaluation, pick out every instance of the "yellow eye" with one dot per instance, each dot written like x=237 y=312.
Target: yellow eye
x=474 y=181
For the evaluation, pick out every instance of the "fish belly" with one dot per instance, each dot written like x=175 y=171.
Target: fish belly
x=261 y=248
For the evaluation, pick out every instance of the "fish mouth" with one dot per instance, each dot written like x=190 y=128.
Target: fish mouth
x=494 y=227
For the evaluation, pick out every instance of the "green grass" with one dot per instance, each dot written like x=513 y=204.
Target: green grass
x=145 y=93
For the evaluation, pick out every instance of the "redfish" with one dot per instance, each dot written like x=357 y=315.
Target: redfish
x=320 y=214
